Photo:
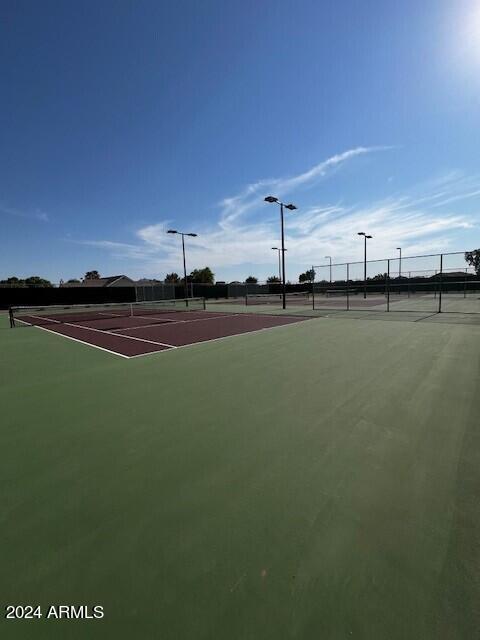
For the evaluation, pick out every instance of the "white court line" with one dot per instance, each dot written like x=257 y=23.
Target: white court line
x=118 y=335
x=117 y=315
x=39 y=318
x=152 y=316
x=62 y=335
x=172 y=347
x=234 y=335
x=157 y=324
x=225 y=316
x=80 y=326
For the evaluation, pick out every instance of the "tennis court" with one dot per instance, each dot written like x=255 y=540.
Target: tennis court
x=138 y=329
x=319 y=480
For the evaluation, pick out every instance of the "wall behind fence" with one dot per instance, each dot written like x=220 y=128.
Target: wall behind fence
x=39 y=296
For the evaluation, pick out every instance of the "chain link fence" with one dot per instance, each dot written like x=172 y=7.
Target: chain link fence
x=434 y=283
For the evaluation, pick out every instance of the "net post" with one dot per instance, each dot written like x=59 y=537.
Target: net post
x=348 y=282
x=12 y=319
x=440 y=285
x=313 y=288
x=388 y=285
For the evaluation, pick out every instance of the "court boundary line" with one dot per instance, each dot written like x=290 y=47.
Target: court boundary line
x=87 y=344
x=79 y=326
x=156 y=324
x=234 y=335
x=118 y=335
x=297 y=319
x=225 y=315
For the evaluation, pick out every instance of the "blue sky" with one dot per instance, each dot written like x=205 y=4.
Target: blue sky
x=120 y=119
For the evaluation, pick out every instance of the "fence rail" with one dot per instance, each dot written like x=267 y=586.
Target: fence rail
x=434 y=283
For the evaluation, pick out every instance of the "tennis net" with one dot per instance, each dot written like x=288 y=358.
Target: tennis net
x=55 y=314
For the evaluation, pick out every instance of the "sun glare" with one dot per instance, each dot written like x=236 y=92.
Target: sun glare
x=472 y=32
x=462 y=42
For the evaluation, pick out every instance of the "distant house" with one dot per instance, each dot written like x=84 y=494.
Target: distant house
x=450 y=274
x=111 y=281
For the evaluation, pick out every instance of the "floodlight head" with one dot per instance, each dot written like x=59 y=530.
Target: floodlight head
x=172 y=231
x=275 y=249
x=328 y=256
x=369 y=236
x=290 y=206
x=193 y=235
x=271 y=199
x=361 y=233
x=399 y=248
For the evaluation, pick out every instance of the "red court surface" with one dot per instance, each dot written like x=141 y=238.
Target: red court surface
x=135 y=336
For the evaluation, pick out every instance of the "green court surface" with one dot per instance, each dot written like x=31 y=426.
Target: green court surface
x=319 y=481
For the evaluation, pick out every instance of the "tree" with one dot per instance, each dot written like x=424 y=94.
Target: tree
x=92 y=275
x=251 y=280
x=202 y=276
x=36 y=281
x=173 y=278
x=473 y=259
x=273 y=279
x=32 y=281
x=308 y=276
x=73 y=281
x=13 y=281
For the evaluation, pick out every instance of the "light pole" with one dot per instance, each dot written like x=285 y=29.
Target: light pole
x=292 y=207
x=365 y=236
x=279 y=261
x=192 y=235
x=400 y=271
x=330 y=258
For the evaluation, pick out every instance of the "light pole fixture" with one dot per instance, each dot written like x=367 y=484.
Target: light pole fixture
x=365 y=236
x=192 y=235
x=291 y=207
x=330 y=258
x=279 y=261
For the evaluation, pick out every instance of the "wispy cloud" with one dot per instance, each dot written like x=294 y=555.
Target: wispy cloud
x=37 y=214
x=247 y=200
x=121 y=249
x=419 y=220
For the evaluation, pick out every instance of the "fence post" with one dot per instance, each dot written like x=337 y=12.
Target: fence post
x=440 y=285
x=388 y=285
x=313 y=288
x=348 y=281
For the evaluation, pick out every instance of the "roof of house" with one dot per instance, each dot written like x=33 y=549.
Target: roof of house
x=451 y=274
x=100 y=282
